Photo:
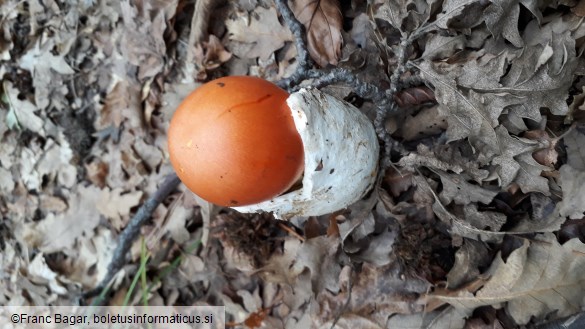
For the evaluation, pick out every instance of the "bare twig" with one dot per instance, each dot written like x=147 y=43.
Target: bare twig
x=132 y=231
x=361 y=88
x=383 y=111
x=291 y=232
x=305 y=63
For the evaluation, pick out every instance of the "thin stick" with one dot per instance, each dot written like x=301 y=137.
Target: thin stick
x=132 y=231
x=291 y=232
x=305 y=63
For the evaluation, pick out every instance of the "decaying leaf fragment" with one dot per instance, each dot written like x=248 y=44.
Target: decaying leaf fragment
x=323 y=22
x=414 y=96
x=468 y=259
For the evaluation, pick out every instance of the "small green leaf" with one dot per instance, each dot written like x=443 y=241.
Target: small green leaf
x=12 y=120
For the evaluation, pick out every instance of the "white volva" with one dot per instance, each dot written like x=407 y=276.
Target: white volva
x=341 y=157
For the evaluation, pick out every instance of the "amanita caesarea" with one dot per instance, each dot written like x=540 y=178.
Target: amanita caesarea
x=243 y=142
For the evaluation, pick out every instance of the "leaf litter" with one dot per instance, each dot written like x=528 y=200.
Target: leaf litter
x=484 y=214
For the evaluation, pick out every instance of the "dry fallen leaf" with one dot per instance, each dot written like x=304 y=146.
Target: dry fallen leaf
x=209 y=55
x=574 y=142
x=404 y=15
x=501 y=18
x=90 y=265
x=257 y=36
x=44 y=66
x=323 y=21
x=317 y=256
x=52 y=162
x=579 y=9
x=468 y=259
x=573 y=183
x=446 y=158
x=537 y=279
x=377 y=292
x=142 y=43
x=40 y=273
x=22 y=111
x=116 y=205
x=60 y=232
x=516 y=163
x=449 y=318
x=456 y=189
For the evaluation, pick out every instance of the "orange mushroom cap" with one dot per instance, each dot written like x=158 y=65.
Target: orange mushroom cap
x=233 y=141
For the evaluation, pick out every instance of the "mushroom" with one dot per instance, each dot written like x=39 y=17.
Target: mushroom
x=243 y=142
x=233 y=141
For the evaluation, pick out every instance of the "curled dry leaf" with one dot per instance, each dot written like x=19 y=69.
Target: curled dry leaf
x=501 y=18
x=414 y=96
x=546 y=156
x=323 y=21
x=40 y=273
x=577 y=108
x=397 y=181
x=209 y=56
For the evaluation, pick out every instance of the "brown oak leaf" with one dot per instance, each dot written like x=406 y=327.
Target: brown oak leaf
x=323 y=21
